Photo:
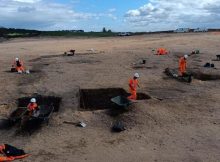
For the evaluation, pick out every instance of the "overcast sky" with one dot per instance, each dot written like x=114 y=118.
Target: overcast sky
x=118 y=15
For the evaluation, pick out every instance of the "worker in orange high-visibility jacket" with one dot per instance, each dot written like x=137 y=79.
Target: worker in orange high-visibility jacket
x=182 y=65
x=162 y=51
x=32 y=106
x=133 y=84
x=18 y=65
x=11 y=153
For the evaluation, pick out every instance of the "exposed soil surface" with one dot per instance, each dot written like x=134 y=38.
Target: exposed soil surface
x=175 y=121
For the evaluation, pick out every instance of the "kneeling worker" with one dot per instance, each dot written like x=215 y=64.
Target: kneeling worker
x=18 y=65
x=133 y=84
x=32 y=112
x=182 y=65
x=11 y=153
x=32 y=106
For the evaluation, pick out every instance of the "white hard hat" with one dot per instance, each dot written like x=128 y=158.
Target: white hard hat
x=16 y=59
x=33 y=100
x=136 y=75
x=186 y=56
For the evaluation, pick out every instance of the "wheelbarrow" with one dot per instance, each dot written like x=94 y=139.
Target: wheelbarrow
x=121 y=101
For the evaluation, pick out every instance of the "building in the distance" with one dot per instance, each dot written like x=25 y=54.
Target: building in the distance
x=182 y=30
x=201 y=30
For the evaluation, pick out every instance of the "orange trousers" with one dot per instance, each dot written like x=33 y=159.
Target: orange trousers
x=2 y=158
x=182 y=70
x=133 y=95
x=20 y=69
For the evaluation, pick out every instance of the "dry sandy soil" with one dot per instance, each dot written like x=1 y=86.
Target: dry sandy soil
x=183 y=126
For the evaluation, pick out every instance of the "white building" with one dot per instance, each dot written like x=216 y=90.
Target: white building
x=201 y=30
x=182 y=30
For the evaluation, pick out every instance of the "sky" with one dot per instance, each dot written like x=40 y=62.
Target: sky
x=117 y=15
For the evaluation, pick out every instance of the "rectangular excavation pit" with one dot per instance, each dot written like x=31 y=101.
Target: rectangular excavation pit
x=99 y=99
x=47 y=105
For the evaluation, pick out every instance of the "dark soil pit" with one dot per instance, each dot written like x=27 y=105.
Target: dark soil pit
x=5 y=124
x=205 y=77
x=51 y=56
x=143 y=96
x=84 y=62
x=41 y=100
x=99 y=99
x=17 y=113
x=144 y=67
x=31 y=124
x=34 y=71
x=31 y=71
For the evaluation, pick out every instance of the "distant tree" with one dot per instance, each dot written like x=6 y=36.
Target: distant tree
x=104 y=30
x=109 y=31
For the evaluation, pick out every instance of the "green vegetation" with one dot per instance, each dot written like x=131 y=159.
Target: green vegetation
x=15 y=33
x=78 y=34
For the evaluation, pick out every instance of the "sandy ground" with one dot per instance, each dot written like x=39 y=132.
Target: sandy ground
x=183 y=126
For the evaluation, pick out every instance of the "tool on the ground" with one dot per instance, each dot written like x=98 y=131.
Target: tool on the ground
x=79 y=124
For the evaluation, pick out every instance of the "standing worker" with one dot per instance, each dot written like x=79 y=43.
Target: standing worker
x=182 y=65
x=32 y=106
x=133 y=84
x=18 y=65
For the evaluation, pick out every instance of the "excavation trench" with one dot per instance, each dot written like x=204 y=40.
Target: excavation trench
x=21 y=117
x=205 y=77
x=100 y=99
x=14 y=71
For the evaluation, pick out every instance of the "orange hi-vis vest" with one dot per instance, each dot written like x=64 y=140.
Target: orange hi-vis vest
x=19 y=65
x=161 y=51
x=133 y=83
x=32 y=106
x=182 y=65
